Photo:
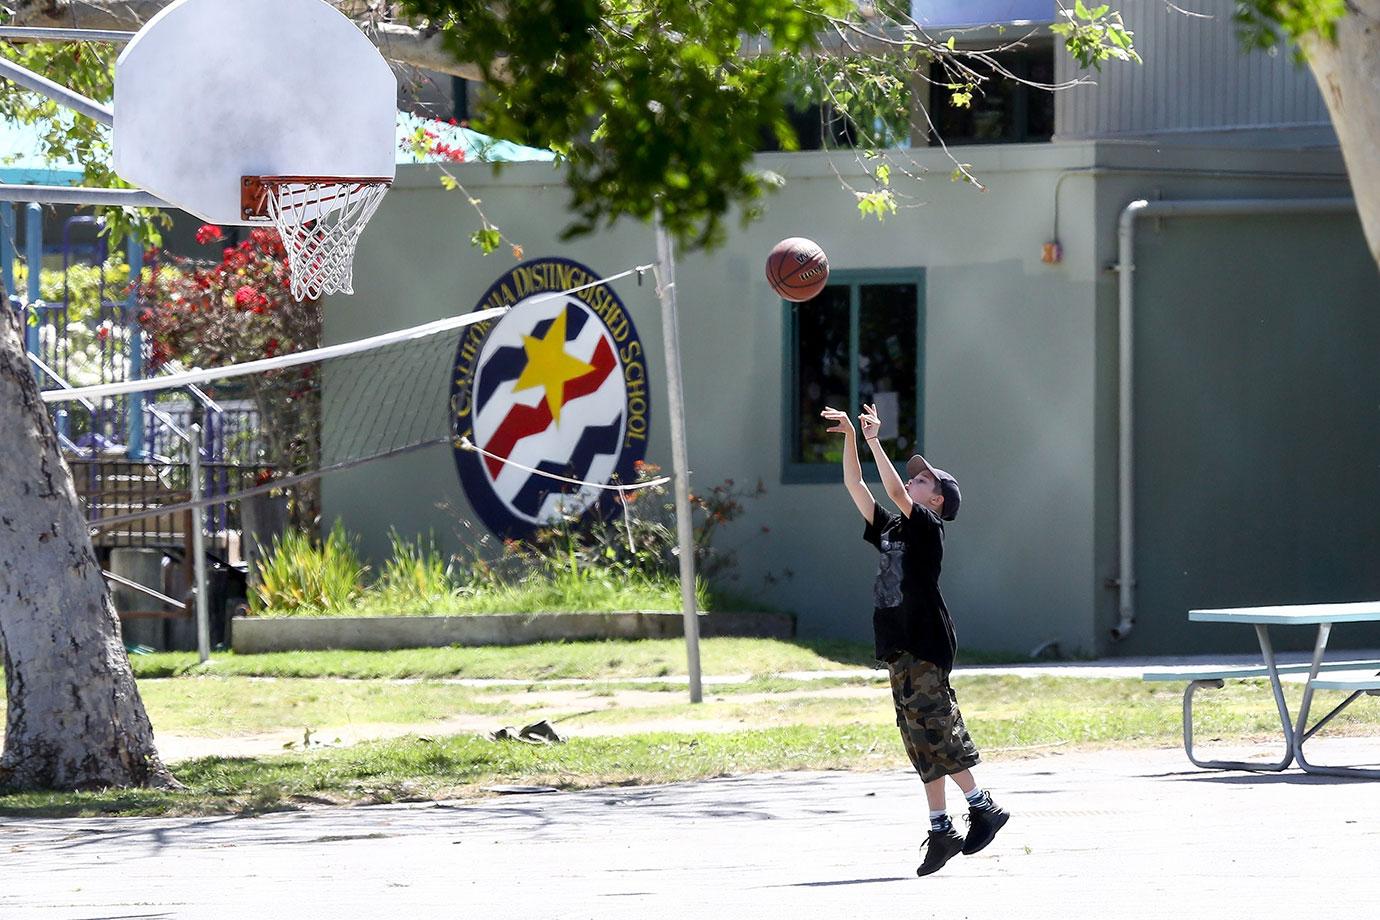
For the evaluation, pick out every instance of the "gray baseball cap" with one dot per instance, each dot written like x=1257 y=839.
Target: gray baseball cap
x=948 y=485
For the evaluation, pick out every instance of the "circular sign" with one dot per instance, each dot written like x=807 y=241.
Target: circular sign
x=558 y=384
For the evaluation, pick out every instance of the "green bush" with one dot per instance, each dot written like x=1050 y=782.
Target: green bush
x=302 y=577
x=83 y=288
x=417 y=578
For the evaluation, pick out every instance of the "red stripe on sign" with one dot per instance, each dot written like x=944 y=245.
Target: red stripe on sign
x=604 y=363
x=525 y=421
x=520 y=422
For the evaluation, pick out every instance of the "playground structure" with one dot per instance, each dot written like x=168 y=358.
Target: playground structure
x=130 y=454
x=312 y=156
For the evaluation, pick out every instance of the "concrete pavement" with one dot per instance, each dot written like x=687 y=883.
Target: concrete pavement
x=1122 y=834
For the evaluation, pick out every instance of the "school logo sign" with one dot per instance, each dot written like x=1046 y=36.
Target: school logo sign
x=556 y=384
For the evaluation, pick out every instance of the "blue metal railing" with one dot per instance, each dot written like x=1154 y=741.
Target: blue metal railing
x=110 y=347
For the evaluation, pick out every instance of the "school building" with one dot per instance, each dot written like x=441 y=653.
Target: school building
x=1163 y=294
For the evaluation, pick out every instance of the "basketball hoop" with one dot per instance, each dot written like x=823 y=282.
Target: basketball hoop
x=320 y=219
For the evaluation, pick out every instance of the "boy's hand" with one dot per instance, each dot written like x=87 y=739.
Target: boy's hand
x=869 y=421
x=842 y=423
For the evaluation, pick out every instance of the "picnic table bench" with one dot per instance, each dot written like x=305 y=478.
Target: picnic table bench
x=1357 y=677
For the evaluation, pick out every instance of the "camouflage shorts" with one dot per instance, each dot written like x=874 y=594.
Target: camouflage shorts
x=927 y=714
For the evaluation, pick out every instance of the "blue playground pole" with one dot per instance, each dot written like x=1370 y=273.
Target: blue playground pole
x=33 y=253
x=134 y=406
x=7 y=251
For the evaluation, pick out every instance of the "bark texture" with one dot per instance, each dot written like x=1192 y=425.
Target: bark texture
x=399 y=42
x=74 y=717
x=1348 y=73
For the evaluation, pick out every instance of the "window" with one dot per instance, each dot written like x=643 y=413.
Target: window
x=1002 y=111
x=860 y=341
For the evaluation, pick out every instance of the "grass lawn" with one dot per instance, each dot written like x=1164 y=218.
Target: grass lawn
x=1001 y=711
x=647 y=735
x=606 y=660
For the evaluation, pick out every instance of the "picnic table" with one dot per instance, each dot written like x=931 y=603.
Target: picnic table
x=1357 y=677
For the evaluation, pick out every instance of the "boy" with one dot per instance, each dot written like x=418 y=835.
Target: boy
x=914 y=635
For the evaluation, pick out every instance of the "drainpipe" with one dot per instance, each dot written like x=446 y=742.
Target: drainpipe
x=1126 y=267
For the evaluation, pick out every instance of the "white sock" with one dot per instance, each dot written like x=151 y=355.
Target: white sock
x=978 y=798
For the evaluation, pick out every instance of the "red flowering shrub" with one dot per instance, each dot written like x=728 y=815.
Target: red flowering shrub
x=208 y=233
x=211 y=314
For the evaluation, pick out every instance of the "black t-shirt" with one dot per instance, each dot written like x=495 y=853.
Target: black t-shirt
x=910 y=615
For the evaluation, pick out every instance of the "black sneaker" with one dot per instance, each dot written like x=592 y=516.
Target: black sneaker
x=940 y=847
x=983 y=824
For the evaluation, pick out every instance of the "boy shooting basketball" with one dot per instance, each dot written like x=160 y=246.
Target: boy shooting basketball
x=914 y=635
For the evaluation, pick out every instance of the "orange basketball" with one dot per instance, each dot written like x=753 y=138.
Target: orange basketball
x=797 y=269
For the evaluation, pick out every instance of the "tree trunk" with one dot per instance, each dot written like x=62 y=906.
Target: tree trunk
x=75 y=720
x=1348 y=73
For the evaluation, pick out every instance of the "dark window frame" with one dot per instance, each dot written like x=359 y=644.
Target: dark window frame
x=1019 y=62
x=794 y=472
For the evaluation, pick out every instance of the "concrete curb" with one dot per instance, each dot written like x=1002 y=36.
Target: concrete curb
x=256 y=635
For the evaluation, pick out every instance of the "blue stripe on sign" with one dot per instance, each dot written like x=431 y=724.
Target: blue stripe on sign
x=593 y=443
x=506 y=364
x=574 y=321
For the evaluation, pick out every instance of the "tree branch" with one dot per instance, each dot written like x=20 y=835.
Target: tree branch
x=398 y=42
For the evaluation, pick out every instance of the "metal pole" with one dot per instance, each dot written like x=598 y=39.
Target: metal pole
x=74 y=194
x=134 y=408
x=675 y=398
x=57 y=92
x=33 y=254
x=7 y=251
x=203 y=617
x=37 y=33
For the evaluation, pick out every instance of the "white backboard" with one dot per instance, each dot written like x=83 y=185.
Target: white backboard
x=209 y=91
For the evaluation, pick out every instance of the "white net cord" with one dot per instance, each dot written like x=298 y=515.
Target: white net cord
x=320 y=223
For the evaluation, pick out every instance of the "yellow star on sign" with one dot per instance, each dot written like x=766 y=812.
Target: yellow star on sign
x=548 y=365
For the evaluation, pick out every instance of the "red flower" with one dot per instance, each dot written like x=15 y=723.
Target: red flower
x=271 y=347
x=103 y=333
x=268 y=241
x=247 y=297
x=209 y=233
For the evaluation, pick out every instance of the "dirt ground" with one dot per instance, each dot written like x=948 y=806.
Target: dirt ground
x=561 y=707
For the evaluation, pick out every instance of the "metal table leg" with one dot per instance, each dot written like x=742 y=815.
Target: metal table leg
x=1286 y=727
x=1302 y=732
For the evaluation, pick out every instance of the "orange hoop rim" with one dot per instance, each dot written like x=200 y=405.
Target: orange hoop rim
x=254 y=190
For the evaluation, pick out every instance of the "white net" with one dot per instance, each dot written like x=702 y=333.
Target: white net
x=314 y=412
x=320 y=221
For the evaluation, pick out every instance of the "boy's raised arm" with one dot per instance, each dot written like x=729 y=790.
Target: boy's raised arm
x=852 y=469
x=891 y=480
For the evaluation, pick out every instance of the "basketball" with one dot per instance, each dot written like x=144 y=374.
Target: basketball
x=797 y=269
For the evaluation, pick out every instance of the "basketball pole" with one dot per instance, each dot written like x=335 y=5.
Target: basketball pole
x=675 y=399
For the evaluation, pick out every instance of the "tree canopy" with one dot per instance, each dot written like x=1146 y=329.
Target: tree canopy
x=659 y=104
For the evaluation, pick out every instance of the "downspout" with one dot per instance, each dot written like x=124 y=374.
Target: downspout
x=1126 y=268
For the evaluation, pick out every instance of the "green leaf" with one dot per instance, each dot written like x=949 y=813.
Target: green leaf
x=487 y=240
